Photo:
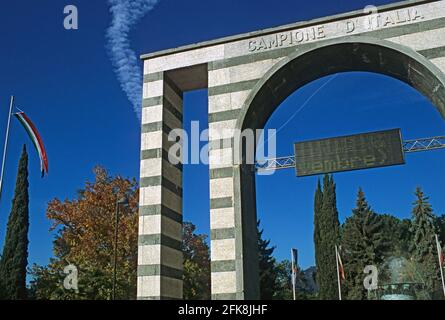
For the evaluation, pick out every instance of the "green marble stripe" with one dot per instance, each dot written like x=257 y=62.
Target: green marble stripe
x=159 y=270
x=157 y=181
x=169 y=106
x=221 y=144
x=221 y=234
x=221 y=173
x=224 y=296
x=224 y=115
x=151 y=154
x=158 y=209
x=220 y=203
x=173 y=86
x=158 y=153
x=223 y=266
x=151 y=102
x=433 y=53
x=155 y=126
x=162 y=239
x=232 y=87
x=153 y=77
x=233 y=62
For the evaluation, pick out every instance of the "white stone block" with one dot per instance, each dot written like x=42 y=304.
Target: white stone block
x=440 y=63
x=227 y=101
x=149 y=255
x=151 y=167
x=221 y=158
x=222 y=218
x=222 y=250
x=223 y=282
x=222 y=129
x=151 y=140
x=149 y=286
x=221 y=188
x=150 y=195
x=153 y=224
x=152 y=114
x=243 y=72
x=153 y=89
x=422 y=40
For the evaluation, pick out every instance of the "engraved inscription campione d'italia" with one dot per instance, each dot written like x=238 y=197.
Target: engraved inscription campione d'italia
x=366 y=23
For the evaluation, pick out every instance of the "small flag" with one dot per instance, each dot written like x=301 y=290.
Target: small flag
x=341 y=269
x=294 y=264
x=439 y=252
x=36 y=140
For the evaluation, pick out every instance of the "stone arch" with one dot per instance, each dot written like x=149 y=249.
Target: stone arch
x=343 y=55
x=296 y=70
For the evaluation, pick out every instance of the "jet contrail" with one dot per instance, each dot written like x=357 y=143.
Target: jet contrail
x=125 y=15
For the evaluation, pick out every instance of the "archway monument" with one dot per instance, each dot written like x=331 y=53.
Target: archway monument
x=247 y=77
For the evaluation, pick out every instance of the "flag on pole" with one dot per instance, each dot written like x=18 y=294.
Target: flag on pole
x=294 y=264
x=441 y=260
x=294 y=258
x=341 y=269
x=439 y=252
x=36 y=140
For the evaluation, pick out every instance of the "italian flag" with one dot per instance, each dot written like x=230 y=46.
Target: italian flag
x=36 y=140
x=341 y=269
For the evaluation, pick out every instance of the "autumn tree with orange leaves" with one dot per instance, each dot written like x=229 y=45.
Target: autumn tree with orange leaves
x=84 y=229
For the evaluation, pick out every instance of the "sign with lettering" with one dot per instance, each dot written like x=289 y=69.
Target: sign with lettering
x=365 y=23
x=362 y=151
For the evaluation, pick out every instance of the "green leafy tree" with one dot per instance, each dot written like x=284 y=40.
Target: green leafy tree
x=283 y=271
x=326 y=236
x=196 y=264
x=15 y=251
x=423 y=247
x=268 y=276
x=364 y=243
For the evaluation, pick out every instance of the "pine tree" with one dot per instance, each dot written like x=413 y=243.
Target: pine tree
x=326 y=237
x=268 y=274
x=15 y=251
x=364 y=243
x=423 y=229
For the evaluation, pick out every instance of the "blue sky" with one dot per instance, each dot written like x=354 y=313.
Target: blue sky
x=65 y=82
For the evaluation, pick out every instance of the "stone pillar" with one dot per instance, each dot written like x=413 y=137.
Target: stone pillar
x=160 y=260
x=230 y=252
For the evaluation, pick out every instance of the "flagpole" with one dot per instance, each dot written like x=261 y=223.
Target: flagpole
x=293 y=274
x=11 y=106
x=338 y=273
x=439 y=250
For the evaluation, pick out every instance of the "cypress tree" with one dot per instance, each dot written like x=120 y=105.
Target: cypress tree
x=15 y=251
x=364 y=243
x=318 y=205
x=328 y=233
x=267 y=267
x=423 y=247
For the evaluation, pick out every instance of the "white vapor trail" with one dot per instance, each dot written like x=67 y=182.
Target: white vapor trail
x=125 y=15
